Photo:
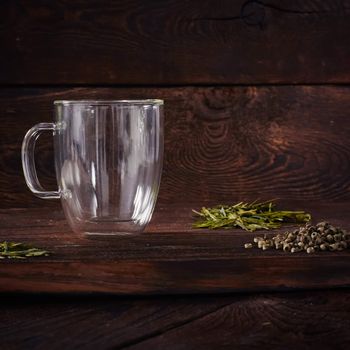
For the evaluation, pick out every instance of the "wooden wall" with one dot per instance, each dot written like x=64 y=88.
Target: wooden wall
x=256 y=92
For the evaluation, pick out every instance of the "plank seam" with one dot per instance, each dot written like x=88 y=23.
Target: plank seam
x=170 y=85
x=154 y=334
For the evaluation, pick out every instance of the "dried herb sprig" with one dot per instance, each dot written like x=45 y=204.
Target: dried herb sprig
x=248 y=216
x=16 y=250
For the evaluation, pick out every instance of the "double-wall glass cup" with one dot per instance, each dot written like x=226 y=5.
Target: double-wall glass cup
x=108 y=161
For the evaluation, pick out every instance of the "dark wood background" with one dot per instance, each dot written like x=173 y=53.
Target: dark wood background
x=221 y=143
x=257 y=104
x=174 y=42
x=257 y=101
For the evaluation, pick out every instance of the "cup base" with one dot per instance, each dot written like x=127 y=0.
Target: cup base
x=111 y=233
x=109 y=227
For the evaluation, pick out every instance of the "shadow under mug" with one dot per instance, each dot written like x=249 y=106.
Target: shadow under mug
x=108 y=161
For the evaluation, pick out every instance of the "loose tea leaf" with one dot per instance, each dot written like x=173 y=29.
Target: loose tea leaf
x=321 y=237
x=248 y=216
x=16 y=250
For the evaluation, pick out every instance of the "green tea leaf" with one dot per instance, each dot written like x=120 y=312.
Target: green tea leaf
x=248 y=216
x=17 y=250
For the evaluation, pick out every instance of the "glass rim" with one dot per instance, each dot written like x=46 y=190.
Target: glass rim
x=110 y=102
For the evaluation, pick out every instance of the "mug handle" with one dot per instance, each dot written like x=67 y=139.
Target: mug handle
x=28 y=162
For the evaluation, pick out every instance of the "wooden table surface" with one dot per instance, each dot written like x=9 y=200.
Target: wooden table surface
x=56 y=302
x=169 y=258
x=297 y=320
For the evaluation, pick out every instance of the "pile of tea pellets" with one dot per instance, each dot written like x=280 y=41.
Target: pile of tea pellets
x=308 y=238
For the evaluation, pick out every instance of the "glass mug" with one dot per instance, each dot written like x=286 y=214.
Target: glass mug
x=108 y=161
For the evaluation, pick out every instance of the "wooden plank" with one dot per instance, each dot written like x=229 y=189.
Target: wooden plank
x=56 y=322
x=297 y=321
x=301 y=320
x=169 y=258
x=177 y=323
x=221 y=144
x=175 y=42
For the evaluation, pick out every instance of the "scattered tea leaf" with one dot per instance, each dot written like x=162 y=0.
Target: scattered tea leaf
x=17 y=250
x=248 y=216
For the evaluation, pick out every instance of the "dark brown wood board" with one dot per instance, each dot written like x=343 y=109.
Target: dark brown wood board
x=169 y=258
x=300 y=320
x=221 y=143
x=174 y=42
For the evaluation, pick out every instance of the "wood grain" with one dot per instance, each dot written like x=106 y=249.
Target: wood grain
x=221 y=143
x=169 y=258
x=297 y=321
x=178 y=323
x=56 y=322
x=172 y=42
x=304 y=320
